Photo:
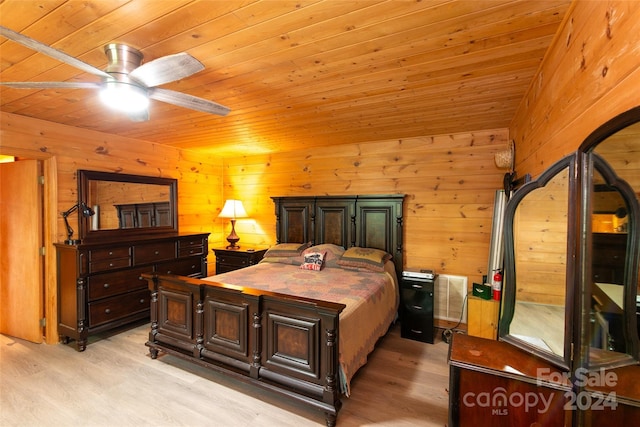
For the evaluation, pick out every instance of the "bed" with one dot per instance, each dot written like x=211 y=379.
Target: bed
x=301 y=333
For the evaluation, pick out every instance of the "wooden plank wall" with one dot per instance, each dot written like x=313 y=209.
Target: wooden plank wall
x=66 y=149
x=450 y=182
x=590 y=74
x=199 y=175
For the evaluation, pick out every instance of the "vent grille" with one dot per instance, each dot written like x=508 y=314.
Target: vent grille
x=449 y=301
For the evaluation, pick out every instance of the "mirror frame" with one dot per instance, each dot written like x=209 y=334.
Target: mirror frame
x=88 y=235
x=591 y=160
x=509 y=294
x=579 y=253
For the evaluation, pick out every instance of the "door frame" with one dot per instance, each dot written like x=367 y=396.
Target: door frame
x=50 y=227
x=50 y=235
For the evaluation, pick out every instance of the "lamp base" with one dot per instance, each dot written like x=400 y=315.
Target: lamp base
x=72 y=242
x=233 y=238
x=232 y=242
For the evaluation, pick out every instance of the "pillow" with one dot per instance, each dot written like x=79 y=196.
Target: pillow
x=286 y=250
x=369 y=258
x=289 y=260
x=313 y=261
x=333 y=253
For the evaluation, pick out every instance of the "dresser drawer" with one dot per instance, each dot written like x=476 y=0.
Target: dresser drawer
x=111 y=253
x=184 y=267
x=153 y=252
x=111 y=309
x=190 y=247
x=109 y=284
x=190 y=243
x=190 y=251
x=232 y=261
x=110 y=264
x=109 y=259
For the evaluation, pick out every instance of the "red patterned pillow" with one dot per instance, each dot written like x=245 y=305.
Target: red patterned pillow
x=333 y=253
x=313 y=261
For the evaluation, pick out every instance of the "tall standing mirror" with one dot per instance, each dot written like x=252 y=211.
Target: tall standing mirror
x=572 y=249
x=536 y=295
x=611 y=220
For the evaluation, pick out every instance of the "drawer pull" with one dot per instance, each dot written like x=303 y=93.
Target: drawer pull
x=191 y=251
x=108 y=311
x=142 y=301
x=169 y=272
x=110 y=253
x=414 y=286
x=416 y=332
x=106 y=285
x=417 y=307
x=110 y=264
x=157 y=252
x=140 y=278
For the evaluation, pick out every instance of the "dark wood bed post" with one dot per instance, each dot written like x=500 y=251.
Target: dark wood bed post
x=400 y=245
x=312 y=223
x=331 y=391
x=154 y=315
x=278 y=236
x=256 y=361
x=199 y=328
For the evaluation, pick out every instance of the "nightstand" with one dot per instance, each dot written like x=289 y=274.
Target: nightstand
x=234 y=259
x=416 y=309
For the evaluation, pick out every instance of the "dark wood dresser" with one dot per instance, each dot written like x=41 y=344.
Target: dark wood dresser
x=608 y=256
x=100 y=285
x=495 y=384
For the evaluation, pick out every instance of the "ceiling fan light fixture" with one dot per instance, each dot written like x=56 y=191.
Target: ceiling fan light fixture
x=125 y=97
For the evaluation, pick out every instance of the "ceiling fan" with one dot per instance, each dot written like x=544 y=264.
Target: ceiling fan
x=126 y=84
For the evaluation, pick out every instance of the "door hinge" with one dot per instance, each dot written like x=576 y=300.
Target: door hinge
x=41 y=179
x=43 y=251
x=571 y=352
x=43 y=322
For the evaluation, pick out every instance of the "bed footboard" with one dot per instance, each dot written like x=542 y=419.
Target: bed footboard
x=282 y=343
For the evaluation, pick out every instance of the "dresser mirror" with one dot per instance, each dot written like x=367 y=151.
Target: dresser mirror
x=131 y=205
x=611 y=220
x=537 y=247
x=572 y=254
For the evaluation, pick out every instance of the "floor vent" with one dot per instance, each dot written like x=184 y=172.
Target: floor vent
x=449 y=299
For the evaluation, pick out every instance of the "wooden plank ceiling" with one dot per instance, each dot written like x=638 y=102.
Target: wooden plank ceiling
x=295 y=74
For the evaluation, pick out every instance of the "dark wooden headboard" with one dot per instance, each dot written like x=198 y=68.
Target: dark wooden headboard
x=370 y=221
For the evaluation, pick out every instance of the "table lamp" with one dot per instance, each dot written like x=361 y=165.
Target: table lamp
x=233 y=209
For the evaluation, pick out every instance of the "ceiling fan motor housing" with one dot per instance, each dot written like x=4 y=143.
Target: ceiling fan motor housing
x=122 y=59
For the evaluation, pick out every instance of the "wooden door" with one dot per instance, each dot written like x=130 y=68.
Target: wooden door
x=21 y=236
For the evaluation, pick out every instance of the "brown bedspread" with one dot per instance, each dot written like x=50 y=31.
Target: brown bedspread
x=371 y=301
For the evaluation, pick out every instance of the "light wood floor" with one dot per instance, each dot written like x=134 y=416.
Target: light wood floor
x=115 y=383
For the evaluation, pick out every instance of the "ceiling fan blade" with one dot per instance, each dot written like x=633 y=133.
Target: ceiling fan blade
x=47 y=50
x=51 y=85
x=188 y=101
x=166 y=69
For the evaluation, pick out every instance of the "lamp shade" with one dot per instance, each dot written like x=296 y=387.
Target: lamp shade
x=233 y=209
